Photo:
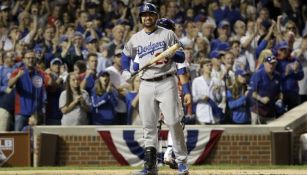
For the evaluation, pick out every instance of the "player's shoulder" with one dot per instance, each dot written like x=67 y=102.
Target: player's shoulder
x=138 y=36
x=134 y=36
x=138 y=33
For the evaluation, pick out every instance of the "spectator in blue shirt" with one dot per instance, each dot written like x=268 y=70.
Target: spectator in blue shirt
x=90 y=75
x=265 y=90
x=73 y=51
x=103 y=101
x=48 y=44
x=267 y=40
x=30 y=83
x=53 y=113
x=291 y=72
x=237 y=99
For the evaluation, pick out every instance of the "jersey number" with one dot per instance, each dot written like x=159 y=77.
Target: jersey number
x=163 y=61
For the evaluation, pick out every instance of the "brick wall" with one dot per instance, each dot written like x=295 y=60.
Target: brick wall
x=230 y=149
x=241 y=149
x=82 y=150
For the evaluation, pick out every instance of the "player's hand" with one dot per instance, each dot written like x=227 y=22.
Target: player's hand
x=126 y=75
x=187 y=99
x=183 y=121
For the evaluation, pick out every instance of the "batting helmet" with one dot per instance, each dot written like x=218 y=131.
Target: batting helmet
x=166 y=23
x=148 y=7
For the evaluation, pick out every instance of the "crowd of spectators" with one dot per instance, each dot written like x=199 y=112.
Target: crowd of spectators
x=60 y=60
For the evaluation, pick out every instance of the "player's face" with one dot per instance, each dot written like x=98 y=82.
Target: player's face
x=149 y=19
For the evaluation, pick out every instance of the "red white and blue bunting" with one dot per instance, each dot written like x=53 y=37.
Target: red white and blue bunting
x=127 y=145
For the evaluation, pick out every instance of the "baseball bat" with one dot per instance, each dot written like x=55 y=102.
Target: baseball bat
x=171 y=50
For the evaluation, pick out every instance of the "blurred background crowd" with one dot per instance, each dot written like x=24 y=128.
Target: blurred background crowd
x=60 y=60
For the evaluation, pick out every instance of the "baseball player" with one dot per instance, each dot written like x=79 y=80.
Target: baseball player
x=185 y=85
x=158 y=88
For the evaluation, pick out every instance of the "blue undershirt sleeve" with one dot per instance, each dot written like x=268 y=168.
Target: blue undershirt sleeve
x=125 y=61
x=179 y=57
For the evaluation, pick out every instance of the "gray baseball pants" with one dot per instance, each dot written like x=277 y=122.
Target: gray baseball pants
x=163 y=95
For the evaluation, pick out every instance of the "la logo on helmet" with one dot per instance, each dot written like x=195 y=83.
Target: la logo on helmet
x=146 y=7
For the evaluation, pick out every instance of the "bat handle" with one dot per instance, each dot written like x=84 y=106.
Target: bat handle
x=134 y=74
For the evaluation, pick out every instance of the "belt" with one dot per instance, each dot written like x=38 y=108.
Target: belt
x=158 y=78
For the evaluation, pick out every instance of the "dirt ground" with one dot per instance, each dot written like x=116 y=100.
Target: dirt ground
x=162 y=172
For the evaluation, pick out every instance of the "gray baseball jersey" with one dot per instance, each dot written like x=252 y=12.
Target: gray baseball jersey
x=147 y=46
x=162 y=95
